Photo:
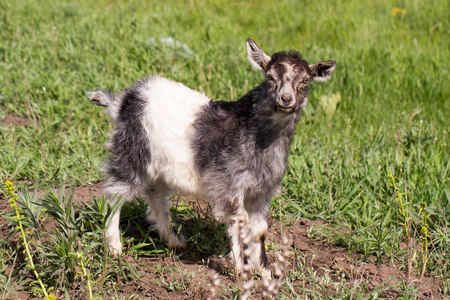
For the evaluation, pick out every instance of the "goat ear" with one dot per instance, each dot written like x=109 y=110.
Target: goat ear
x=256 y=55
x=322 y=70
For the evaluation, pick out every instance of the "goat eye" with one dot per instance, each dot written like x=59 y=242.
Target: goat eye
x=269 y=77
x=306 y=80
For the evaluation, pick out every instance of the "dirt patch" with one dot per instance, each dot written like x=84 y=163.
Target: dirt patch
x=172 y=276
x=81 y=193
x=357 y=268
x=10 y=120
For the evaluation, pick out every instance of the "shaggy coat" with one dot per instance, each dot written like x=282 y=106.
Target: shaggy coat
x=169 y=138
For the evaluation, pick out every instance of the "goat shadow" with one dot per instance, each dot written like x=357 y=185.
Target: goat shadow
x=207 y=238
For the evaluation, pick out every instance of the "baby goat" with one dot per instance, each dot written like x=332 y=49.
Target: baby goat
x=171 y=138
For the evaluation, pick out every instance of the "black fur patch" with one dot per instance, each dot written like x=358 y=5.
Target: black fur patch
x=322 y=69
x=236 y=138
x=130 y=152
x=292 y=57
x=245 y=247
x=241 y=147
x=226 y=129
x=218 y=131
x=263 y=258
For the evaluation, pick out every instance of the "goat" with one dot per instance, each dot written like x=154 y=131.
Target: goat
x=169 y=137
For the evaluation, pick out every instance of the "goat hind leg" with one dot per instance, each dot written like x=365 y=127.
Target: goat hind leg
x=116 y=194
x=158 y=214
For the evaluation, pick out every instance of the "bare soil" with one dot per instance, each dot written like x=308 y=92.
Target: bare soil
x=11 y=119
x=173 y=277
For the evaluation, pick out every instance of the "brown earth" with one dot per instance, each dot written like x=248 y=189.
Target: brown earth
x=172 y=277
x=10 y=120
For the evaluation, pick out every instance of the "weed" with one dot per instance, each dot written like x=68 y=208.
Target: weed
x=11 y=194
x=179 y=278
x=77 y=242
x=85 y=274
x=423 y=239
x=406 y=223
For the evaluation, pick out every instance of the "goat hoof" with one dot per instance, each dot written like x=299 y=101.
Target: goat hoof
x=265 y=273
x=115 y=246
x=177 y=242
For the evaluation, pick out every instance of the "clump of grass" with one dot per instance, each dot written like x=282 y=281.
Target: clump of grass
x=180 y=279
x=73 y=253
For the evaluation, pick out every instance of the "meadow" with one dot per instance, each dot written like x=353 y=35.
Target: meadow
x=369 y=163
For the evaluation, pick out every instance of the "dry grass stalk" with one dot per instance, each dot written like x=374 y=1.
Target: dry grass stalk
x=272 y=287
x=246 y=251
x=215 y=282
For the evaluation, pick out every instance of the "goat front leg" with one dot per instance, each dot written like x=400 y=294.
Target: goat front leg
x=247 y=234
x=257 y=229
x=237 y=230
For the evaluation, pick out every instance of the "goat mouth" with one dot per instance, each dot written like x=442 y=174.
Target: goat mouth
x=286 y=109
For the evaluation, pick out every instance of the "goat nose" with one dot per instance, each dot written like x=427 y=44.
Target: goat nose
x=286 y=98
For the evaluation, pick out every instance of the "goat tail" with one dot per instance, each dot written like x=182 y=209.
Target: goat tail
x=107 y=99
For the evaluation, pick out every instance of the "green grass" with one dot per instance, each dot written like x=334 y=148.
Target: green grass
x=392 y=76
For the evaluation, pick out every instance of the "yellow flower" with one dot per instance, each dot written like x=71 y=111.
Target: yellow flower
x=397 y=10
x=8 y=185
x=51 y=297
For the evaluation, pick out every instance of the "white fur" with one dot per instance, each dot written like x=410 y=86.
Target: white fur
x=257 y=225
x=100 y=97
x=322 y=79
x=171 y=109
x=158 y=212
x=116 y=192
x=170 y=112
x=289 y=73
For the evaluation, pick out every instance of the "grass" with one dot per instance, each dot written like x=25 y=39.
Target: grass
x=392 y=80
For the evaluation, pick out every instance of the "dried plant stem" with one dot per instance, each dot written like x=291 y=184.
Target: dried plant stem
x=408 y=257
x=271 y=288
x=424 y=239
x=215 y=283
x=246 y=250
x=406 y=223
